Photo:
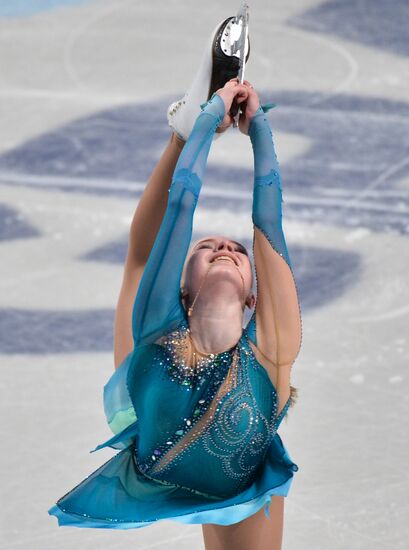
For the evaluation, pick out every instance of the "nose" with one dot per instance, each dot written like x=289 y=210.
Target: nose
x=225 y=245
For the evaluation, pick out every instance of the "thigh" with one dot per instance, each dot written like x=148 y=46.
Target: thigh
x=256 y=532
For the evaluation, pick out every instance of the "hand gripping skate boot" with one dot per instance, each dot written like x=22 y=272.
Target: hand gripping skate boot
x=220 y=62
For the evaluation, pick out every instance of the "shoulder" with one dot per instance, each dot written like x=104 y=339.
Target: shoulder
x=176 y=341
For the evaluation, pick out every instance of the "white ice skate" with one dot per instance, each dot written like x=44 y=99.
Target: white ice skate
x=222 y=60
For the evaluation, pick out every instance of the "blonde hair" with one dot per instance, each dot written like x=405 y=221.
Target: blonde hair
x=293 y=395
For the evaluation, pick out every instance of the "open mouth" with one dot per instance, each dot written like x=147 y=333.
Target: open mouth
x=224 y=258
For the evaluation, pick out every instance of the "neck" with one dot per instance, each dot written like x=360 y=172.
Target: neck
x=216 y=325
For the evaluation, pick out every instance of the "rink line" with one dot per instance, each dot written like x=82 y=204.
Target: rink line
x=345 y=84
x=342 y=87
x=352 y=63
x=389 y=315
x=123 y=185
x=53 y=181
x=333 y=523
x=60 y=95
x=390 y=193
x=96 y=96
x=77 y=32
x=396 y=167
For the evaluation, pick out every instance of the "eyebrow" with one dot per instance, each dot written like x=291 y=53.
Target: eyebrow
x=213 y=240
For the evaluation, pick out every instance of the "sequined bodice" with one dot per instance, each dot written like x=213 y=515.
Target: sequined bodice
x=202 y=425
x=199 y=426
x=219 y=415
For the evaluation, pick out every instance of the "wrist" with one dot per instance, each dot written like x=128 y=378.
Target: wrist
x=258 y=120
x=214 y=106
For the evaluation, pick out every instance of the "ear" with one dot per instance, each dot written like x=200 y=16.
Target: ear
x=251 y=300
x=183 y=292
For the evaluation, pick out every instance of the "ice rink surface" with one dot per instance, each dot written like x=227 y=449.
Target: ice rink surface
x=84 y=87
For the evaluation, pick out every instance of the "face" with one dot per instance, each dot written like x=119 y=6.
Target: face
x=203 y=257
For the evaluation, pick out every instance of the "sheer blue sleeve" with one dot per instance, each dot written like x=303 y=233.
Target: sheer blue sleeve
x=158 y=307
x=267 y=190
x=267 y=193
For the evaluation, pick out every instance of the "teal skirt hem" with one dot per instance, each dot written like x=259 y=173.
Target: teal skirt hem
x=222 y=516
x=118 y=496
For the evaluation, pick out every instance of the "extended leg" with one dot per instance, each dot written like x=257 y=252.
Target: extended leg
x=152 y=205
x=144 y=228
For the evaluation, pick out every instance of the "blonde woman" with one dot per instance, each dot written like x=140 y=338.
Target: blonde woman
x=196 y=399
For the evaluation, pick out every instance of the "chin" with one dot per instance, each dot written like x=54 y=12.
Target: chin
x=226 y=274
x=224 y=268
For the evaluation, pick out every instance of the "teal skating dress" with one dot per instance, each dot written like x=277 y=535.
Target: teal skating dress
x=196 y=445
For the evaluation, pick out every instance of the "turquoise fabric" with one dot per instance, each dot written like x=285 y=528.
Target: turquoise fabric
x=195 y=446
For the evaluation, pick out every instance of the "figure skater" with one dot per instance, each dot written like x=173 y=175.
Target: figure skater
x=196 y=399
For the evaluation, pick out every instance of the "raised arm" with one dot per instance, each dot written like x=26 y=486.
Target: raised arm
x=158 y=307
x=275 y=327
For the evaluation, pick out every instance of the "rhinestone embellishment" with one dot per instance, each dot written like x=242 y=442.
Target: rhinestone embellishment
x=226 y=421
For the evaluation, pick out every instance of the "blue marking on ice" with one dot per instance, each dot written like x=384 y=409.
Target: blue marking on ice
x=13 y=226
x=26 y=8
x=381 y=25
x=39 y=331
x=356 y=144
x=89 y=331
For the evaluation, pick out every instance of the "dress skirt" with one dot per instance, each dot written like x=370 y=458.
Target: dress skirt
x=119 y=496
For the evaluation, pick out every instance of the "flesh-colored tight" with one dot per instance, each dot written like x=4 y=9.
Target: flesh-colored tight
x=256 y=532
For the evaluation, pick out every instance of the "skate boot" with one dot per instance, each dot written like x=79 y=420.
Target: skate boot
x=220 y=62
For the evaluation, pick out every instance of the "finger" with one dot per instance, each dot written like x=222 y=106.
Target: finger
x=241 y=97
x=241 y=87
x=242 y=92
x=240 y=100
x=249 y=87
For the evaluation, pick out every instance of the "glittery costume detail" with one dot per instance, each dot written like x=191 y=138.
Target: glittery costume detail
x=197 y=436
x=216 y=417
